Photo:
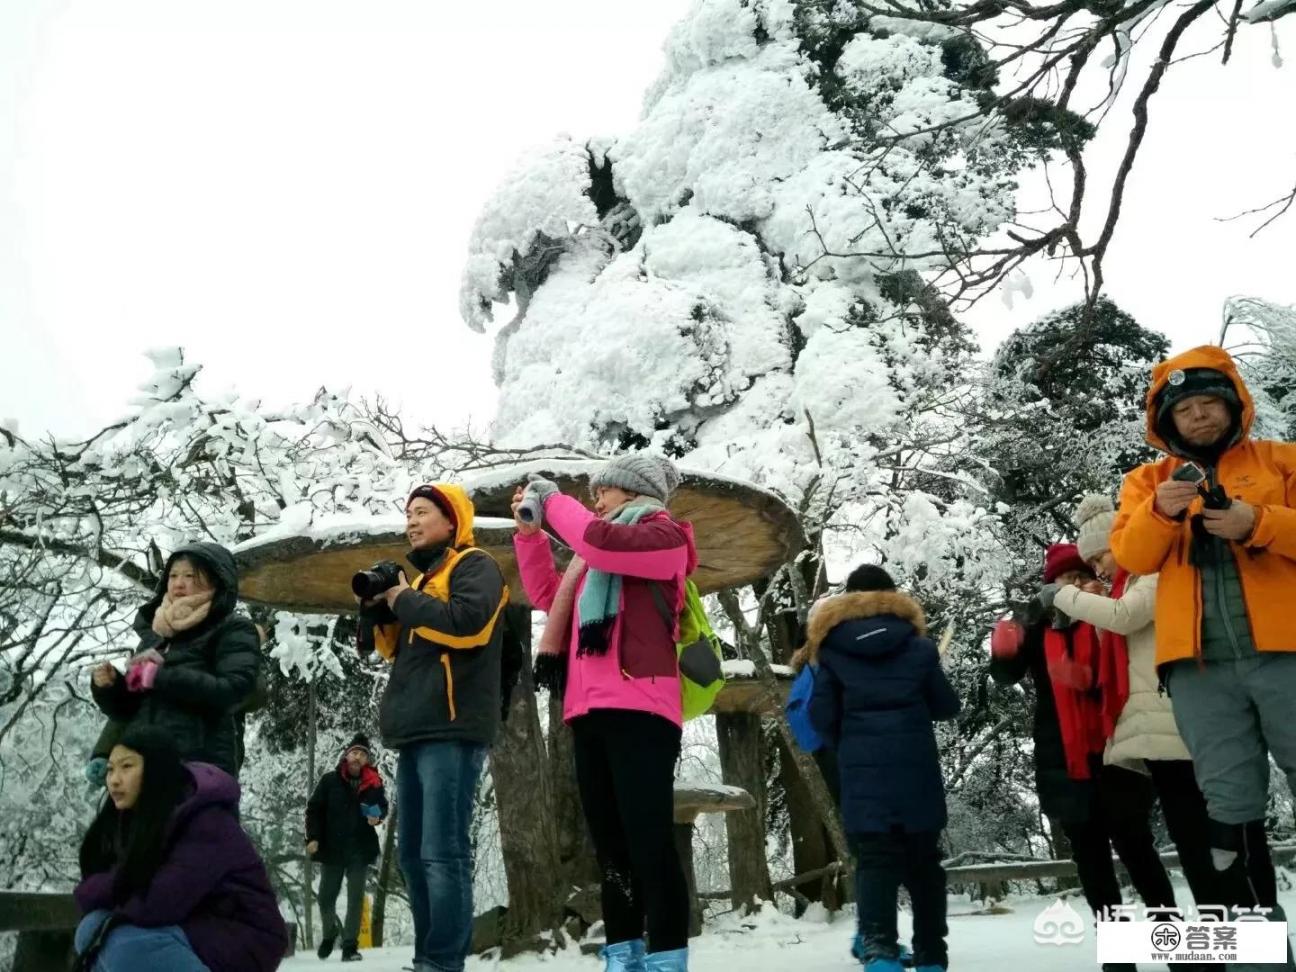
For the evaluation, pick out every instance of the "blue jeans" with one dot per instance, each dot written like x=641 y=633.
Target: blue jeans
x=130 y=947
x=436 y=783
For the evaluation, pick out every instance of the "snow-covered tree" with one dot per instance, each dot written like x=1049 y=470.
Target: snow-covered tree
x=1063 y=415
x=742 y=280
x=1262 y=335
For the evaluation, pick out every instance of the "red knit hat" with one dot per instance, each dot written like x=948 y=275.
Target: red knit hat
x=429 y=492
x=1061 y=558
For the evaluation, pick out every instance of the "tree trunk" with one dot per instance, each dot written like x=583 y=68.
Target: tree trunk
x=811 y=848
x=384 y=874
x=741 y=764
x=524 y=796
x=575 y=850
x=808 y=770
x=308 y=867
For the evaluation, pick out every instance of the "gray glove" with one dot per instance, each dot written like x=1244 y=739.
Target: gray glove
x=541 y=488
x=1039 y=606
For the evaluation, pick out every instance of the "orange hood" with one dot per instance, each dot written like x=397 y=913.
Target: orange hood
x=1206 y=356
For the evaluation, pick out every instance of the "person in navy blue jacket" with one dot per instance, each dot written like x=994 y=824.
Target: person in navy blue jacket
x=878 y=687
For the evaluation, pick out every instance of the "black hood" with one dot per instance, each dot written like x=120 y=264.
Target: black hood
x=218 y=562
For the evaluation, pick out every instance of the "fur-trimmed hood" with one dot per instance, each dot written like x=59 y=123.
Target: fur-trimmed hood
x=830 y=612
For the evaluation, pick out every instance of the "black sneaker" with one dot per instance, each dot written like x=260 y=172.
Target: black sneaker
x=326 y=946
x=351 y=954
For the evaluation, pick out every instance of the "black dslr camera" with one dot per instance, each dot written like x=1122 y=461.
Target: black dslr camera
x=1214 y=497
x=382 y=576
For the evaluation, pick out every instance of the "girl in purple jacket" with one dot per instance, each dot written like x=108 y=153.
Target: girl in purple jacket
x=169 y=878
x=611 y=634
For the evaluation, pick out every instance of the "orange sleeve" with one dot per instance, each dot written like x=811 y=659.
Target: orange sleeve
x=1141 y=538
x=1275 y=527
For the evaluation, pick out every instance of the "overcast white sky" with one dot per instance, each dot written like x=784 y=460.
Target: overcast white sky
x=286 y=188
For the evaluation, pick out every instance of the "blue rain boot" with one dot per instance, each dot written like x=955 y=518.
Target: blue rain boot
x=857 y=951
x=675 y=961
x=624 y=956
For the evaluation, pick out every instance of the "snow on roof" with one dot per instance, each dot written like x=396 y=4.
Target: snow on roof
x=347 y=528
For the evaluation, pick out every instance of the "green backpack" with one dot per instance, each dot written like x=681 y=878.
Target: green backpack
x=698 y=652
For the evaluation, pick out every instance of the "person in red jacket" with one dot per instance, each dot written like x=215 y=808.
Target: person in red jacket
x=1099 y=807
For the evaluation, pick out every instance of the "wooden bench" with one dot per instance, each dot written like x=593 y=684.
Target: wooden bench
x=690 y=803
x=46 y=922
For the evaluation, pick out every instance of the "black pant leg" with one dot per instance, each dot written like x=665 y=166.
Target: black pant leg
x=880 y=867
x=925 y=879
x=623 y=914
x=356 y=872
x=1186 y=818
x=642 y=752
x=1091 y=850
x=331 y=876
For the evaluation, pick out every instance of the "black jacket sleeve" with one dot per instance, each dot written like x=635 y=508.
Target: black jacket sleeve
x=476 y=590
x=315 y=811
x=236 y=660
x=114 y=701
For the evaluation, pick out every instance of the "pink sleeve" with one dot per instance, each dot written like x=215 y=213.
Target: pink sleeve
x=536 y=566
x=653 y=550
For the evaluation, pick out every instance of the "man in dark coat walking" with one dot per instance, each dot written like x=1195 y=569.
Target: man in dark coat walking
x=878 y=687
x=347 y=805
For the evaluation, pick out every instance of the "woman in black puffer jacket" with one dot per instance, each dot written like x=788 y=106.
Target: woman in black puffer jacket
x=197 y=662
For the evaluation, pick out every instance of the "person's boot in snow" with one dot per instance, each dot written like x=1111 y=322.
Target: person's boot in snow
x=350 y=953
x=624 y=956
x=857 y=952
x=326 y=946
x=673 y=961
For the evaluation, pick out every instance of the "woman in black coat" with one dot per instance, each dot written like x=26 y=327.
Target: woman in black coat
x=197 y=661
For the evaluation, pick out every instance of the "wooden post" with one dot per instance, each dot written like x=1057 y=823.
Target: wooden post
x=689 y=803
x=742 y=765
x=524 y=795
x=684 y=847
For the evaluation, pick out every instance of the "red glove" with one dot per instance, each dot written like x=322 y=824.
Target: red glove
x=1071 y=674
x=1006 y=639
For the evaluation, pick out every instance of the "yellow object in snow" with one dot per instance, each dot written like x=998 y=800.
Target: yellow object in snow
x=365 y=939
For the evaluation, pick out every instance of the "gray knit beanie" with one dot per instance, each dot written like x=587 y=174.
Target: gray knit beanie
x=640 y=473
x=1094 y=517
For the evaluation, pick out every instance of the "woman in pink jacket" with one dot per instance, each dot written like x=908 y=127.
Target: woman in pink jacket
x=611 y=638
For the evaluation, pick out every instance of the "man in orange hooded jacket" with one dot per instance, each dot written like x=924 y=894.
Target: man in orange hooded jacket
x=1226 y=650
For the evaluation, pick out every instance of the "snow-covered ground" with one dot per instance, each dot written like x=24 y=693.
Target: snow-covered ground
x=774 y=942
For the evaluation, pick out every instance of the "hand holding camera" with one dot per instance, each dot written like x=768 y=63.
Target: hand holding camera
x=384 y=581
x=528 y=503
x=1221 y=516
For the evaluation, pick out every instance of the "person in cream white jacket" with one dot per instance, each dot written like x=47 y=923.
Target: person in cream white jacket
x=1145 y=728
